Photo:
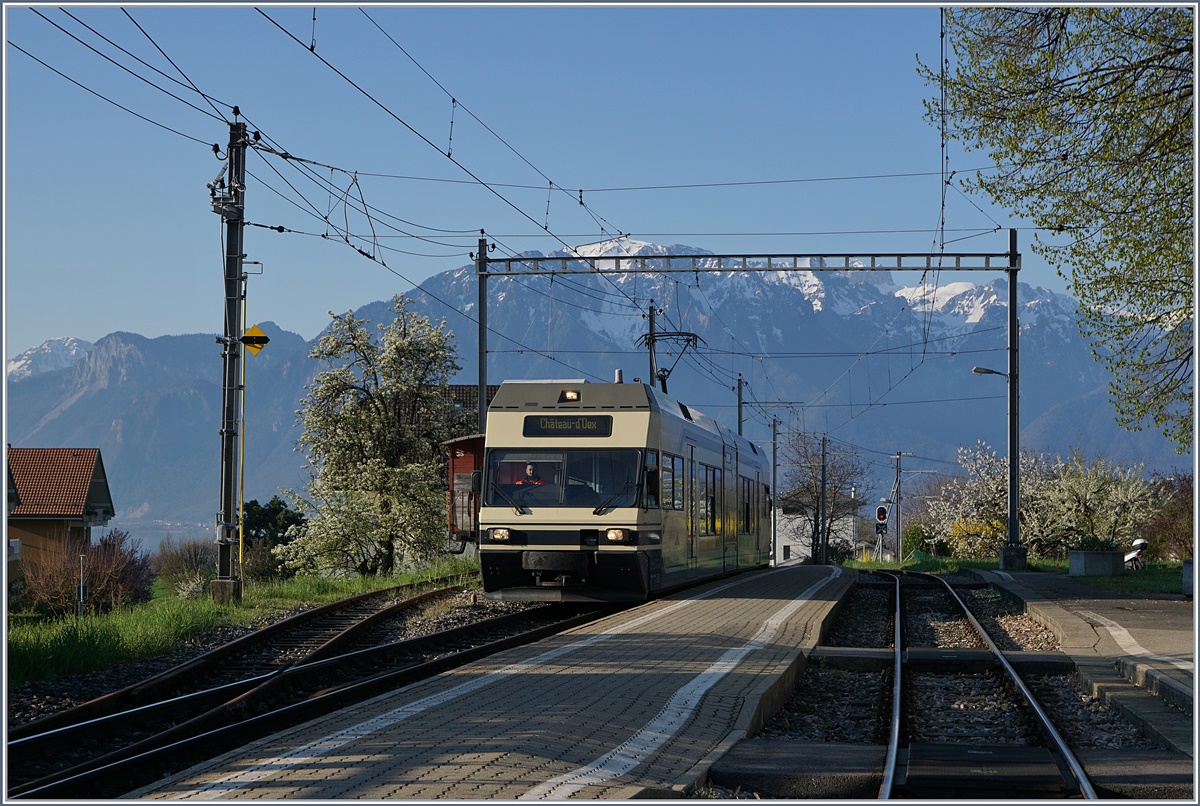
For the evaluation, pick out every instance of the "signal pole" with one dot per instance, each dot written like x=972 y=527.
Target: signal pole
x=741 y=383
x=650 y=344
x=481 y=278
x=229 y=203
x=823 y=531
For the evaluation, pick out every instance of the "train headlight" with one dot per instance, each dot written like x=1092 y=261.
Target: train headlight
x=499 y=534
x=618 y=536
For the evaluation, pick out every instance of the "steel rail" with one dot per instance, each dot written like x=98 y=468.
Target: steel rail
x=86 y=779
x=1047 y=725
x=188 y=713
x=141 y=691
x=893 y=751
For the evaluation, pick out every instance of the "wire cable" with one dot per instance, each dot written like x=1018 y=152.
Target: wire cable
x=603 y=224
x=172 y=63
x=406 y=125
x=109 y=100
x=218 y=116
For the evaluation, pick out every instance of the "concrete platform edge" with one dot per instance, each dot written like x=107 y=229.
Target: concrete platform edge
x=1125 y=684
x=772 y=695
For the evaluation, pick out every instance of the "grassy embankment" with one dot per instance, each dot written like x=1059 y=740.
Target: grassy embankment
x=43 y=648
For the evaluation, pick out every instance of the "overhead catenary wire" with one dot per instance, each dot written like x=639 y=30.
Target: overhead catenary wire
x=713 y=369
x=106 y=99
x=217 y=116
x=418 y=134
x=178 y=69
x=481 y=182
x=456 y=103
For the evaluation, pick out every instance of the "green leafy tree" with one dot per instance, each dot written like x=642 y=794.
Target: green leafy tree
x=265 y=526
x=373 y=423
x=1087 y=114
x=1065 y=503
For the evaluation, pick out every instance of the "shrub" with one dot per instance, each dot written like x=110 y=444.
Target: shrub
x=51 y=582
x=116 y=571
x=1093 y=543
x=186 y=567
x=259 y=564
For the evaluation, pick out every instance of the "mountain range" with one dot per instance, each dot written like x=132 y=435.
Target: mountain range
x=880 y=367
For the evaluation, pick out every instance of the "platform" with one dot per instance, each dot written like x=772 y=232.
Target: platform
x=633 y=705
x=1136 y=652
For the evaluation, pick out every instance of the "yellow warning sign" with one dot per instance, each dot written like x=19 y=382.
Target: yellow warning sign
x=254 y=339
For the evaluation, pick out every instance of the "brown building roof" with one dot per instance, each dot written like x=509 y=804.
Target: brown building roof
x=60 y=483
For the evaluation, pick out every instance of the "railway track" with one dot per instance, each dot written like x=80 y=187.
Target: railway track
x=117 y=743
x=257 y=653
x=963 y=722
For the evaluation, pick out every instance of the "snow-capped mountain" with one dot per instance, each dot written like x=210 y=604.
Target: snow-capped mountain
x=47 y=357
x=878 y=364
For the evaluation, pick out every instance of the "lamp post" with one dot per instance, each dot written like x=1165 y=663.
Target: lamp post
x=1012 y=553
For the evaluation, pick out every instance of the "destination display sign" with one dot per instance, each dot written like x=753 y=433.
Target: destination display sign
x=568 y=425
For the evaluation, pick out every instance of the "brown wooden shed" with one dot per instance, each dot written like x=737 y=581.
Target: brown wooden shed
x=61 y=493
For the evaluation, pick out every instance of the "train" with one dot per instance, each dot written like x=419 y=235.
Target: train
x=605 y=492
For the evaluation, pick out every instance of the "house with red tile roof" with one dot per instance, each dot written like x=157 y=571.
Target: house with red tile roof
x=57 y=496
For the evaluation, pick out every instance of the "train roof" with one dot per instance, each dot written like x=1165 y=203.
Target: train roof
x=542 y=395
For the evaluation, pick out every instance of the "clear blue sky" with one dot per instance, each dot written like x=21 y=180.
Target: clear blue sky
x=108 y=224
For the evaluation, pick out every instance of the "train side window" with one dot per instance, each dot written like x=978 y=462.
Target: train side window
x=744 y=506
x=677 y=488
x=650 y=500
x=667 y=481
x=710 y=515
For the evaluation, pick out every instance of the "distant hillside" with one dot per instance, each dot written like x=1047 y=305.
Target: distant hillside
x=868 y=358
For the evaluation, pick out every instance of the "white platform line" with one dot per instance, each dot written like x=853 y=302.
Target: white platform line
x=1132 y=647
x=314 y=750
x=673 y=716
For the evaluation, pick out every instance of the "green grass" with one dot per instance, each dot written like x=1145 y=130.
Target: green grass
x=43 y=648
x=1155 y=580
x=1158 y=579
x=39 y=649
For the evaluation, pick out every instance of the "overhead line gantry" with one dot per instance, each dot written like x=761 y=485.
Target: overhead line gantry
x=1013 y=557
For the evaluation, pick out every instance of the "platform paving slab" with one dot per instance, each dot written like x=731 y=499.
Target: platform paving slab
x=653 y=694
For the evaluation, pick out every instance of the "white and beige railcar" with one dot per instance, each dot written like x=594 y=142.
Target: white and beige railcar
x=638 y=494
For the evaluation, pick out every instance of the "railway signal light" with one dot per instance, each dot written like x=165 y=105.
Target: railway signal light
x=881 y=514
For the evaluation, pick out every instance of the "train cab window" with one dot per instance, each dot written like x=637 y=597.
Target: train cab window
x=562 y=478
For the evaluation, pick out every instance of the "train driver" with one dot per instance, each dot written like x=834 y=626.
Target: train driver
x=531 y=475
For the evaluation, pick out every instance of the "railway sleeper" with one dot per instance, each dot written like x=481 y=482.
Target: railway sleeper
x=961 y=771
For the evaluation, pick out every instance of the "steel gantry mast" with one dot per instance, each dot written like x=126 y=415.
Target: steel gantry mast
x=1012 y=555
x=228 y=201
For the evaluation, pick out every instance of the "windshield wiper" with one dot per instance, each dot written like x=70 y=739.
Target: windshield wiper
x=605 y=503
x=517 y=508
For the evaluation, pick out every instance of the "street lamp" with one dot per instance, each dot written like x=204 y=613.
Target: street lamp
x=1012 y=553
